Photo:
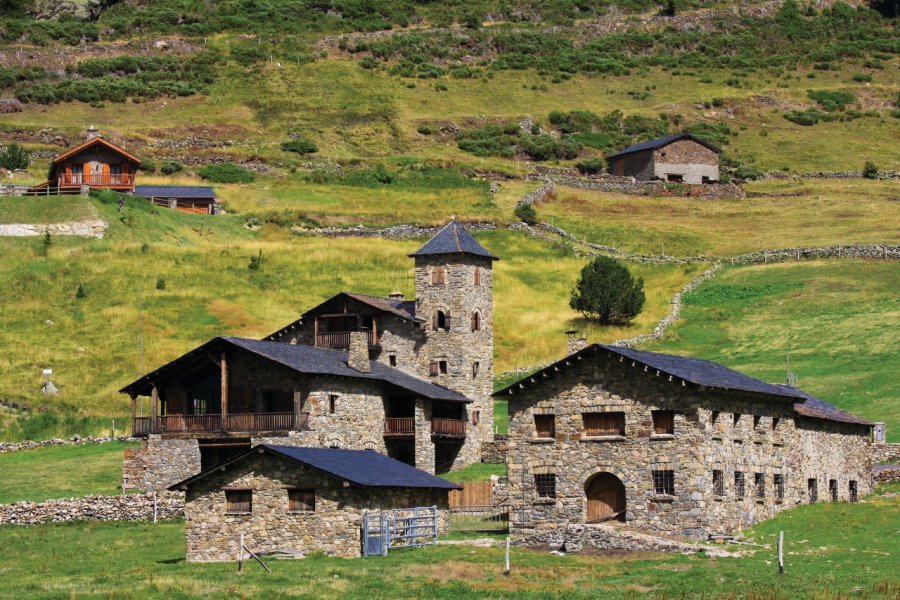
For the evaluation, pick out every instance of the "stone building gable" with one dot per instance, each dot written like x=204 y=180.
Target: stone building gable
x=686 y=151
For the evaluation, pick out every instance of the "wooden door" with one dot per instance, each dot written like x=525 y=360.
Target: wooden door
x=605 y=498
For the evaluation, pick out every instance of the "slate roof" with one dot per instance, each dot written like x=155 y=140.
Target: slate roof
x=663 y=141
x=819 y=409
x=309 y=360
x=175 y=191
x=92 y=142
x=365 y=468
x=453 y=239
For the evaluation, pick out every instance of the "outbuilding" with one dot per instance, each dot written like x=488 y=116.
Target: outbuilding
x=679 y=158
x=298 y=500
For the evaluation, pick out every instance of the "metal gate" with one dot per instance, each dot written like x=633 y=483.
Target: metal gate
x=399 y=528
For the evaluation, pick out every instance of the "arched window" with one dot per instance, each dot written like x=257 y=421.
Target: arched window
x=440 y=321
x=437 y=276
x=477 y=275
x=476 y=321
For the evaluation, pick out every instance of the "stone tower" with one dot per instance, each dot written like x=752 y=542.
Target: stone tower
x=454 y=294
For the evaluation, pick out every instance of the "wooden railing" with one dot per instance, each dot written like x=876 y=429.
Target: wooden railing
x=284 y=421
x=178 y=423
x=340 y=339
x=141 y=426
x=402 y=427
x=97 y=179
x=448 y=427
x=260 y=422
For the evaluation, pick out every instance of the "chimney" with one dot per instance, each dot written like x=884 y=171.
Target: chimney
x=577 y=341
x=358 y=352
x=396 y=295
x=92 y=132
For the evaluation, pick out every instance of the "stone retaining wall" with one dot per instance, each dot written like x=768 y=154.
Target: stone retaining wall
x=574 y=538
x=395 y=232
x=130 y=507
x=886 y=452
x=887 y=473
x=827 y=175
x=74 y=441
x=627 y=185
x=494 y=452
x=96 y=229
x=9 y=189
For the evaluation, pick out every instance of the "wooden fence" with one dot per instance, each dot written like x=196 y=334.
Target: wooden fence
x=475 y=493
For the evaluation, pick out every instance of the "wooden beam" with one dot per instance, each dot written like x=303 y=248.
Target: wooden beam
x=154 y=405
x=224 y=367
x=316 y=332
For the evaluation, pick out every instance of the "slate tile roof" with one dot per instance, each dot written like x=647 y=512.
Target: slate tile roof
x=663 y=141
x=309 y=360
x=405 y=309
x=175 y=191
x=365 y=468
x=819 y=409
x=453 y=239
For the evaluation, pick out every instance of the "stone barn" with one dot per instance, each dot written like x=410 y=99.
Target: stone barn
x=679 y=158
x=299 y=500
x=672 y=444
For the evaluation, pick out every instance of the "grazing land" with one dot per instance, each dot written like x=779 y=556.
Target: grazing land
x=89 y=559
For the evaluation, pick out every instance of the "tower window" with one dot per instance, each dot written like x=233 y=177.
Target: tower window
x=477 y=275
x=438 y=276
x=854 y=491
x=332 y=404
x=545 y=426
x=392 y=359
x=476 y=417
x=833 y=489
x=440 y=321
x=812 y=490
x=476 y=321
x=437 y=367
x=476 y=366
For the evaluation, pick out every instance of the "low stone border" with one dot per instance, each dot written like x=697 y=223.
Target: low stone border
x=96 y=229
x=128 y=507
x=781 y=175
x=886 y=473
x=886 y=452
x=74 y=441
x=394 y=232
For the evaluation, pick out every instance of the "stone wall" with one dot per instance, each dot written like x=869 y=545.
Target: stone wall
x=882 y=453
x=692 y=161
x=394 y=232
x=73 y=441
x=825 y=451
x=166 y=461
x=496 y=451
x=333 y=527
x=886 y=473
x=95 y=229
x=574 y=538
x=128 y=507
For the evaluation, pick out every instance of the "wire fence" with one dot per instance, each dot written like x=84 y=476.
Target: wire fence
x=485 y=517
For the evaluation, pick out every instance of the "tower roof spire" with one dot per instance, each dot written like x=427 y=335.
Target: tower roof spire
x=453 y=239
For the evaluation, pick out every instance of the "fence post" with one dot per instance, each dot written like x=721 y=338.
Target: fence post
x=781 y=552
x=154 y=506
x=241 y=554
x=113 y=430
x=506 y=564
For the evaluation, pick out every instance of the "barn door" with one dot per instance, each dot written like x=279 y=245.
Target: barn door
x=605 y=498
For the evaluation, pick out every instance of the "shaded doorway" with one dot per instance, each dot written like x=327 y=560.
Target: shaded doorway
x=605 y=498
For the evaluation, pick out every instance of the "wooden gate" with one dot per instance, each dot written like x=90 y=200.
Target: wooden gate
x=474 y=493
x=605 y=498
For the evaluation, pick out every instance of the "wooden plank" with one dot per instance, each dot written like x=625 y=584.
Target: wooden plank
x=224 y=368
x=474 y=493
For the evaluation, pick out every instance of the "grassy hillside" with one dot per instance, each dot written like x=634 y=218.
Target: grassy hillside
x=58 y=209
x=79 y=559
x=836 y=320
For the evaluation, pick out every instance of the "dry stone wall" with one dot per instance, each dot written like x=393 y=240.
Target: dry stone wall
x=73 y=441
x=886 y=452
x=394 y=232
x=128 y=507
x=96 y=229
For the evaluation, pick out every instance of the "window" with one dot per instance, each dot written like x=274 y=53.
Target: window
x=672 y=178
x=833 y=490
x=437 y=276
x=812 y=490
x=440 y=322
x=545 y=425
x=718 y=482
x=476 y=366
x=301 y=500
x=442 y=367
x=545 y=485
x=664 y=482
x=392 y=359
x=759 y=485
x=476 y=417
x=854 y=491
x=739 y=490
x=663 y=422
x=477 y=275
x=238 y=502
x=778 y=481
x=437 y=367
x=476 y=321
x=610 y=423
x=332 y=404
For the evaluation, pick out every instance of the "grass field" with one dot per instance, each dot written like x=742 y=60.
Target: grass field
x=56 y=209
x=143 y=560
x=61 y=472
x=836 y=319
x=855 y=211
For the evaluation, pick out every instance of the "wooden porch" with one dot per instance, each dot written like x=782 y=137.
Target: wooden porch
x=232 y=423
x=96 y=179
x=406 y=428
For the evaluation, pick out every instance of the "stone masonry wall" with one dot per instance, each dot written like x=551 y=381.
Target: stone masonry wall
x=886 y=452
x=128 y=507
x=687 y=158
x=333 y=527
x=824 y=451
x=496 y=451
x=168 y=461
x=96 y=229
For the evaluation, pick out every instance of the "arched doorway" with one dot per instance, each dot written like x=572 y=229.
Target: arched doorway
x=605 y=498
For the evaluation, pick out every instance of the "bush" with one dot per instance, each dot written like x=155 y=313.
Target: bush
x=862 y=77
x=526 y=213
x=425 y=130
x=226 y=173
x=160 y=283
x=256 y=261
x=870 y=170
x=14 y=157
x=590 y=166
x=170 y=167
x=300 y=146
x=831 y=101
x=607 y=292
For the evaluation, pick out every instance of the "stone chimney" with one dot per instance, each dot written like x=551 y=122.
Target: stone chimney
x=577 y=341
x=396 y=295
x=358 y=353
x=92 y=132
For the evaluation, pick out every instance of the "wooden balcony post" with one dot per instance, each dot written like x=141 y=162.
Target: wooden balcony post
x=224 y=365
x=374 y=331
x=154 y=407
x=316 y=332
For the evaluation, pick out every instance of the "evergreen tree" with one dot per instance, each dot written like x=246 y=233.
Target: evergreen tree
x=607 y=292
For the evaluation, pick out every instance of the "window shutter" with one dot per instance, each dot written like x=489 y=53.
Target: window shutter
x=433 y=368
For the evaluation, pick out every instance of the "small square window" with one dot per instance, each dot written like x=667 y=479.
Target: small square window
x=433 y=369
x=545 y=485
x=476 y=417
x=545 y=425
x=759 y=485
x=854 y=491
x=332 y=404
x=301 y=500
x=476 y=366
x=392 y=360
x=812 y=490
x=663 y=422
x=663 y=482
x=611 y=423
x=778 y=481
x=238 y=502
x=833 y=489
x=437 y=276
x=739 y=487
x=718 y=481
x=442 y=367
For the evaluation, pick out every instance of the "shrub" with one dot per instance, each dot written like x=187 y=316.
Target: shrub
x=425 y=130
x=526 y=213
x=256 y=261
x=80 y=292
x=607 y=292
x=862 y=77
x=590 y=166
x=831 y=100
x=170 y=167
x=300 y=146
x=14 y=157
x=226 y=173
x=870 y=170
x=160 y=283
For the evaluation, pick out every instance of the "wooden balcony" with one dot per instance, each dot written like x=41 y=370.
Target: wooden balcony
x=245 y=422
x=340 y=339
x=448 y=428
x=400 y=428
x=96 y=179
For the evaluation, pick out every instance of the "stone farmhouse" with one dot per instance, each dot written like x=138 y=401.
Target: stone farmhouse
x=299 y=500
x=671 y=444
x=679 y=158
x=408 y=378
